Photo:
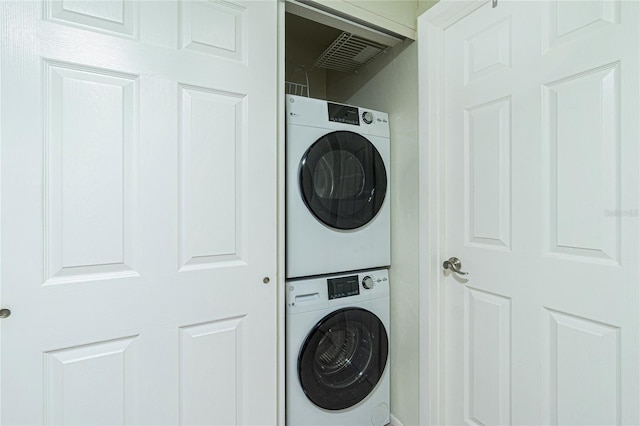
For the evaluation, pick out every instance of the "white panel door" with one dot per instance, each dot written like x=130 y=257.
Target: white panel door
x=541 y=207
x=138 y=181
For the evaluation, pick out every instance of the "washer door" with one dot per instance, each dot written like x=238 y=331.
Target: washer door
x=343 y=180
x=343 y=358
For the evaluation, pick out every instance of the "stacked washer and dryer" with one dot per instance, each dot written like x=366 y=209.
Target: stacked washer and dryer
x=338 y=249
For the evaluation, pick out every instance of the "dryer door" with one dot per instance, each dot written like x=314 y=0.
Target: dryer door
x=343 y=180
x=343 y=358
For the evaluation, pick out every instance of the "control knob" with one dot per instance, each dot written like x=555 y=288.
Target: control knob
x=367 y=117
x=367 y=282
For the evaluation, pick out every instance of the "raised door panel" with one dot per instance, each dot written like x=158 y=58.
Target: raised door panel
x=118 y=17
x=90 y=173
x=213 y=143
x=567 y=21
x=487 y=358
x=581 y=371
x=488 y=177
x=487 y=51
x=214 y=27
x=91 y=384
x=582 y=141
x=211 y=368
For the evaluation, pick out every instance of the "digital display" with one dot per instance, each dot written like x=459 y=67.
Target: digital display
x=343 y=114
x=343 y=287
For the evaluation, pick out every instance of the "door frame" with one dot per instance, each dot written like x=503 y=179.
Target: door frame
x=281 y=166
x=431 y=222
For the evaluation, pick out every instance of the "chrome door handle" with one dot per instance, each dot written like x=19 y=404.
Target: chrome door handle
x=454 y=265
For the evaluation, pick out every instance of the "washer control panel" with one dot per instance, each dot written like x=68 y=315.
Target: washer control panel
x=353 y=285
x=342 y=287
x=309 y=294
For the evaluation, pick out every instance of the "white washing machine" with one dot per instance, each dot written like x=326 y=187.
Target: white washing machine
x=337 y=350
x=337 y=179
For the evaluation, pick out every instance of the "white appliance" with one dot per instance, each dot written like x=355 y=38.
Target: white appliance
x=337 y=350
x=337 y=178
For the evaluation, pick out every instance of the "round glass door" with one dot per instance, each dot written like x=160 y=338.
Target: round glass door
x=343 y=180
x=343 y=358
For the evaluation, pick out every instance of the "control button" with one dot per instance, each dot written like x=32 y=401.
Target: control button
x=384 y=279
x=367 y=282
x=367 y=117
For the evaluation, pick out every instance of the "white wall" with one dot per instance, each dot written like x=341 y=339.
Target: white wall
x=424 y=5
x=393 y=88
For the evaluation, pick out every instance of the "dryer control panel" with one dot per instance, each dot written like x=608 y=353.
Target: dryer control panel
x=343 y=113
x=303 y=111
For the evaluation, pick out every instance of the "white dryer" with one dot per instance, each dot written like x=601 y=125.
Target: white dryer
x=337 y=350
x=337 y=179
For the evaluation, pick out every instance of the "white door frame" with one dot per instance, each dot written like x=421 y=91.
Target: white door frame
x=280 y=216
x=431 y=81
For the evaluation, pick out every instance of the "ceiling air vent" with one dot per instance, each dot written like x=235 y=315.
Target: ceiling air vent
x=348 y=53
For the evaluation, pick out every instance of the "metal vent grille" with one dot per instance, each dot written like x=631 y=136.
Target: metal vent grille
x=348 y=53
